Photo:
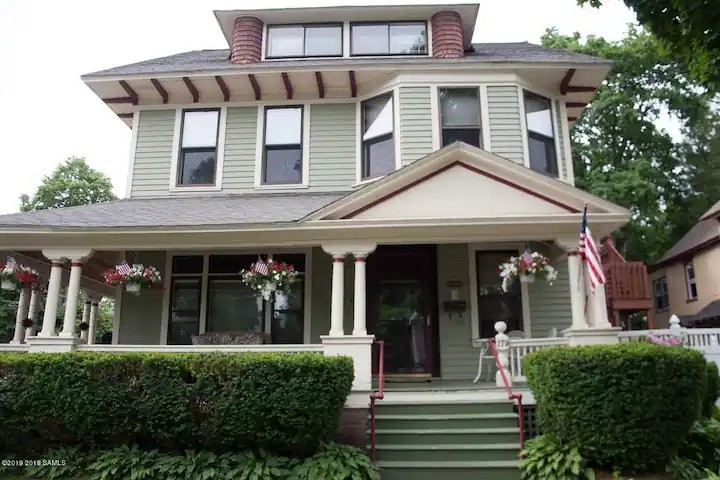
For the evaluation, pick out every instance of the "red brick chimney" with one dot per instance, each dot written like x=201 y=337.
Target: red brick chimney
x=247 y=40
x=447 y=35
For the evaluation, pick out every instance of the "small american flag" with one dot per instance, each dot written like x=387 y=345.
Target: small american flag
x=590 y=255
x=260 y=267
x=123 y=268
x=527 y=257
x=11 y=263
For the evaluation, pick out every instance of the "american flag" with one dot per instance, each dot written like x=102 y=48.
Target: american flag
x=260 y=267
x=590 y=255
x=11 y=264
x=123 y=268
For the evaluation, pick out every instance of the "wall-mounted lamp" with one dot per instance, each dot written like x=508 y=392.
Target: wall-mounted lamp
x=454 y=305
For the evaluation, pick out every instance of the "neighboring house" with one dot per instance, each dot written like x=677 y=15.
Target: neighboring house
x=391 y=160
x=686 y=279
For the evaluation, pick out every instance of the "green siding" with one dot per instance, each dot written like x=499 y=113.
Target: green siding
x=458 y=358
x=506 y=135
x=333 y=146
x=141 y=315
x=153 y=153
x=561 y=141
x=415 y=124
x=321 y=282
x=550 y=305
x=239 y=160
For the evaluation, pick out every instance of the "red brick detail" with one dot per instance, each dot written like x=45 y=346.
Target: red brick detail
x=353 y=426
x=447 y=35
x=247 y=40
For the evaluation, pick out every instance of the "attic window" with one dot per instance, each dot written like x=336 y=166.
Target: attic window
x=314 y=40
x=388 y=38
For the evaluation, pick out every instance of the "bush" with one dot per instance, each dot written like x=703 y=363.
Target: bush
x=545 y=457
x=713 y=389
x=626 y=407
x=285 y=403
x=337 y=462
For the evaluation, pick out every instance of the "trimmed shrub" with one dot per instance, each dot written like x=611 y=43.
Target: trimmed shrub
x=627 y=406
x=713 y=389
x=285 y=403
x=545 y=457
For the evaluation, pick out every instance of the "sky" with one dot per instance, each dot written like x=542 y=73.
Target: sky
x=48 y=114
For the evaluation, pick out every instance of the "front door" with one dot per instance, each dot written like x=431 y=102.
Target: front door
x=402 y=307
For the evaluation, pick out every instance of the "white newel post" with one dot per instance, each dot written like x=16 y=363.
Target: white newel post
x=337 y=312
x=93 y=321
x=51 y=300
x=502 y=345
x=22 y=314
x=32 y=311
x=360 y=314
x=86 y=319
x=73 y=290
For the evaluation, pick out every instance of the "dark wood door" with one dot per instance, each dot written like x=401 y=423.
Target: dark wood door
x=402 y=307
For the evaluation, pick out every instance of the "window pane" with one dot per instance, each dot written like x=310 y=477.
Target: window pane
x=378 y=117
x=408 y=38
x=460 y=108
x=197 y=167
x=542 y=154
x=184 y=311
x=323 y=41
x=288 y=315
x=494 y=305
x=538 y=114
x=283 y=166
x=471 y=136
x=233 y=307
x=187 y=264
x=230 y=263
x=285 y=42
x=283 y=126
x=379 y=158
x=200 y=129
x=369 y=39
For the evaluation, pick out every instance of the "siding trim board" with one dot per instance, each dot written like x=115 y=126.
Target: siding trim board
x=416 y=123
x=506 y=123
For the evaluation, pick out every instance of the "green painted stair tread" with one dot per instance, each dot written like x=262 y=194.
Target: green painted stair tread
x=495 y=446
x=451 y=465
x=445 y=431
x=436 y=408
x=444 y=416
x=488 y=470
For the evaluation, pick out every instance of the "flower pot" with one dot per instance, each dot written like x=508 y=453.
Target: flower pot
x=8 y=285
x=132 y=287
x=527 y=278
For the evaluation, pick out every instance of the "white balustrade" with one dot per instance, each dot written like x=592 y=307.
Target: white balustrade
x=200 y=348
x=520 y=348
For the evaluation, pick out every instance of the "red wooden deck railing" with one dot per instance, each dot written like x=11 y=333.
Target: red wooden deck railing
x=627 y=285
x=516 y=397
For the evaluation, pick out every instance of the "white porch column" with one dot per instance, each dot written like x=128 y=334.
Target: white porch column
x=597 y=308
x=85 y=319
x=93 y=321
x=32 y=311
x=51 y=301
x=73 y=290
x=577 y=291
x=22 y=314
x=360 y=307
x=337 y=313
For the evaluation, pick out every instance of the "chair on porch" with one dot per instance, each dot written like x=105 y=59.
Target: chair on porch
x=231 y=338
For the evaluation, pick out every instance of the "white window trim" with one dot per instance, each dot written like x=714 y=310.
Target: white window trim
x=220 y=154
x=556 y=128
x=133 y=151
x=359 y=133
x=524 y=290
x=428 y=40
x=169 y=255
x=260 y=146
x=567 y=144
x=435 y=112
x=688 y=290
x=659 y=283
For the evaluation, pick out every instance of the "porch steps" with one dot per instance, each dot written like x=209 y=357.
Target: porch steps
x=447 y=440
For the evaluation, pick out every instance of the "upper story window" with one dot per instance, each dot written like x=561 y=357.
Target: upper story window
x=690 y=281
x=660 y=294
x=378 y=144
x=541 y=134
x=460 y=116
x=388 y=38
x=314 y=40
x=282 y=148
x=198 y=147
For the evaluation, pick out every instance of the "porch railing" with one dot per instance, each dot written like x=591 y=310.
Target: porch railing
x=501 y=364
x=201 y=348
x=519 y=348
x=14 y=347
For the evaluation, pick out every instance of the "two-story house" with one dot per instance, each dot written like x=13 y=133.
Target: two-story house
x=686 y=280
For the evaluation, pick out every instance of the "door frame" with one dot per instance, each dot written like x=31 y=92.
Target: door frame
x=429 y=255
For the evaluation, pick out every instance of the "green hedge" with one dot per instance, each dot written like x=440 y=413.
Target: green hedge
x=626 y=406
x=713 y=389
x=285 y=403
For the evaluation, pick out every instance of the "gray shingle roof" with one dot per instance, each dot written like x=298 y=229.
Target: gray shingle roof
x=705 y=232
x=178 y=211
x=214 y=60
x=713 y=212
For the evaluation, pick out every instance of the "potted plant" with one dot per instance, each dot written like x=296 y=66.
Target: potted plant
x=8 y=274
x=134 y=277
x=267 y=278
x=26 y=276
x=526 y=267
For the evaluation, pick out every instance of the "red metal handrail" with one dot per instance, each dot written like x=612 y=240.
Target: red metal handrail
x=517 y=397
x=377 y=395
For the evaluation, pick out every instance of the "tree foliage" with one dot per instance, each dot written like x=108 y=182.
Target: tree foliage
x=622 y=152
x=688 y=29
x=71 y=184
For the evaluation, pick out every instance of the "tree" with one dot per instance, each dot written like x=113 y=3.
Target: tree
x=688 y=29
x=71 y=184
x=620 y=152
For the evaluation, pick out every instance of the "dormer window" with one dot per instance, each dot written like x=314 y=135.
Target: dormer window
x=313 y=40
x=388 y=38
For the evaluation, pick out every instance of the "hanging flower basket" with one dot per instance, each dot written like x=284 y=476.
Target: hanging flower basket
x=526 y=267
x=135 y=277
x=27 y=277
x=8 y=274
x=270 y=277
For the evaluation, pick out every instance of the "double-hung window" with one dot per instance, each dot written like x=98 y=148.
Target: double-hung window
x=283 y=148
x=197 y=164
x=660 y=294
x=460 y=114
x=541 y=134
x=378 y=144
x=388 y=38
x=690 y=281
x=314 y=40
